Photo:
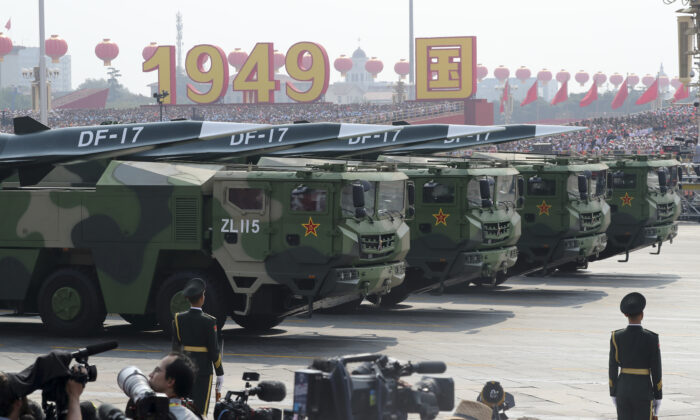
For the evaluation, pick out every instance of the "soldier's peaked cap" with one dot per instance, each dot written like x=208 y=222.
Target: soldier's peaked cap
x=194 y=287
x=633 y=303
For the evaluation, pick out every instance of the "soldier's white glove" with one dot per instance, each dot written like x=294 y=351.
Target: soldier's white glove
x=219 y=383
x=657 y=406
x=614 y=400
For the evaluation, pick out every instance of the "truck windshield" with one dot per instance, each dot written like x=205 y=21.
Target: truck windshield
x=346 y=203
x=507 y=187
x=474 y=190
x=653 y=179
x=391 y=197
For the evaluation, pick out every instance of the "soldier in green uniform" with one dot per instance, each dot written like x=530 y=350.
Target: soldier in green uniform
x=636 y=386
x=195 y=334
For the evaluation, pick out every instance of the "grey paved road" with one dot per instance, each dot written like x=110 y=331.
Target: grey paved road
x=544 y=339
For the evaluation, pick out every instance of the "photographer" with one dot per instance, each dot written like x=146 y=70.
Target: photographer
x=174 y=377
x=13 y=406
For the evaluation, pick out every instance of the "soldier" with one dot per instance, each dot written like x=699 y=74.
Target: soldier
x=195 y=334
x=636 y=352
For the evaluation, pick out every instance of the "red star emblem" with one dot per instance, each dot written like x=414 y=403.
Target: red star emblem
x=441 y=217
x=311 y=227
x=626 y=200
x=544 y=208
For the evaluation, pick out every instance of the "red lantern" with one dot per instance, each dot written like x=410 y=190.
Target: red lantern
x=648 y=80
x=107 y=51
x=663 y=81
x=599 y=78
x=402 y=68
x=522 y=74
x=676 y=83
x=374 y=66
x=149 y=50
x=616 y=79
x=501 y=73
x=581 y=77
x=481 y=72
x=5 y=45
x=632 y=80
x=343 y=64
x=544 y=76
x=236 y=58
x=56 y=48
x=563 y=76
x=278 y=60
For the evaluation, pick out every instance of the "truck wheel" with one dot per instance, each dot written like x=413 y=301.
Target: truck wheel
x=501 y=277
x=70 y=302
x=395 y=296
x=257 y=322
x=170 y=300
x=143 y=322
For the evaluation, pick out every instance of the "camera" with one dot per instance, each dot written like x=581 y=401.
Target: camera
x=372 y=391
x=238 y=409
x=144 y=402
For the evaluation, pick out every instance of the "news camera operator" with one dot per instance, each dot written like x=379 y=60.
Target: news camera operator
x=174 y=377
x=13 y=406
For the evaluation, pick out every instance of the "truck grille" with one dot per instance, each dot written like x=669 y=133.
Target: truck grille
x=376 y=246
x=590 y=221
x=664 y=210
x=496 y=231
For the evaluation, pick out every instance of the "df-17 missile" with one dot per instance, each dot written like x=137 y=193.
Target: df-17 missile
x=510 y=133
x=279 y=138
x=370 y=146
x=34 y=149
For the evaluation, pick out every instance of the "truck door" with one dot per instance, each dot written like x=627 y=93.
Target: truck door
x=241 y=219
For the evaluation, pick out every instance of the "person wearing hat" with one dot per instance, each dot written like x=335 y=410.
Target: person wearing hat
x=472 y=410
x=635 y=387
x=195 y=334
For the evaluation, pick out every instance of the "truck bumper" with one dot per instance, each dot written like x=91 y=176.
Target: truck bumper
x=662 y=233
x=583 y=247
x=486 y=263
x=368 y=280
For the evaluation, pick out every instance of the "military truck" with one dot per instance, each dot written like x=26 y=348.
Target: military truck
x=565 y=214
x=268 y=243
x=644 y=203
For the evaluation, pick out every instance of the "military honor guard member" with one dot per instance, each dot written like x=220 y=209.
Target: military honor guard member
x=636 y=386
x=195 y=334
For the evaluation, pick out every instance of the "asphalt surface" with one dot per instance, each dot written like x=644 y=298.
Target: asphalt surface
x=545 y=339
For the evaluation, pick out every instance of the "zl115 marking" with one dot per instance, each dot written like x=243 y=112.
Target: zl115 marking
x=87 y=137
x=245 y=138
x=245 y=226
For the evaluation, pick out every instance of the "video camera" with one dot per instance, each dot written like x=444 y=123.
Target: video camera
x=372 y=391
x=50 y=374
x=238 y=409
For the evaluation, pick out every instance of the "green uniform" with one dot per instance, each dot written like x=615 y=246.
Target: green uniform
x=638 y=381
x=195 y=334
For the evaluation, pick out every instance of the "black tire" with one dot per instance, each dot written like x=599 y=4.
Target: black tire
x=143 y=322
x=70 y=302
x=257 y=322
x=395 y=296
x=169 y=299
x=501 y=277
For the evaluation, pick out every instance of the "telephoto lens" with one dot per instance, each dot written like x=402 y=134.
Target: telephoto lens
x=134 y=383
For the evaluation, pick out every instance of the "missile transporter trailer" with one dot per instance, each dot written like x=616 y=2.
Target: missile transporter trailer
x=465 y=226
x=268 y=243
x=645 y=203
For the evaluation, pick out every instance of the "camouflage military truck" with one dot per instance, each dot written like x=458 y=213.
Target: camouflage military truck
x=465 y=227
x=268 y=243
x=565 y=214
x=644 y=203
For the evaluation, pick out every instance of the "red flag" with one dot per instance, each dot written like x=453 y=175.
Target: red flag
x=562 y=94
x=531 y=95
x=8 y=25
x=650 y=94
x=681 y=93
x=504 y=98
x=620 y=96
x=591 y=96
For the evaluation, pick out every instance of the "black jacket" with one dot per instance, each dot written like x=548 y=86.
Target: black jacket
x=635 y=350
x=194 y=333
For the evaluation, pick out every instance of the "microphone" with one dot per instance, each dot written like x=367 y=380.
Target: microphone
x=110 y=412
x=429 y=367
x=94 y=349
x=270 y=391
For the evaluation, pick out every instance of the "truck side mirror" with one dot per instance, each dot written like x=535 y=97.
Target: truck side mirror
x=680 y=174
x=358 y=196
x=521 y=187
x=410 y=212
x=662 y=181
x=411 y=190
x=360 y=212
x=485 y=189
x=583 y=186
